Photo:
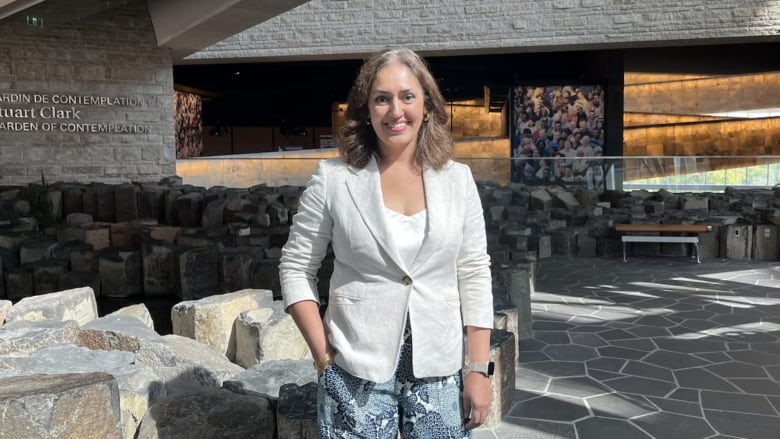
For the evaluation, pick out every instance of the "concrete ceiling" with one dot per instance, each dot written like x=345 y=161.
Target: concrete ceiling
x=11 y=7
x=184 y=26
x=187 y=26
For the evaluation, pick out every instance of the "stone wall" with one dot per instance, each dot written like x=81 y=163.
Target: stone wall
x=86 y=97
x=668 y=116
x=699 y=96
x=470 y=118
x=738 y=137
x=351 y=27
x=168 y=239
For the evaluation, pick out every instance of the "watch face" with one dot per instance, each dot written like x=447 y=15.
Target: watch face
x=491 y=368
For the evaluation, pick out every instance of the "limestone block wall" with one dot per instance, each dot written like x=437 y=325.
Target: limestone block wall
x=280 y=168
x=731 y=137
x=350 y=27
x=667 y=115
x=631 y=119
x=88 y=96
x=704 y=95
x=488 y=158
x=470 y=118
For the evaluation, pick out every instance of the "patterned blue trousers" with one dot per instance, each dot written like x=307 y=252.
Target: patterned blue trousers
x=428 y=408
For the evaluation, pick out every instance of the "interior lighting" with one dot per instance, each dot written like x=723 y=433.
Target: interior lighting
x=757 y=113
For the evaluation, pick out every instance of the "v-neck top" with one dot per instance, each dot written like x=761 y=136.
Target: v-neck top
x=408 y=232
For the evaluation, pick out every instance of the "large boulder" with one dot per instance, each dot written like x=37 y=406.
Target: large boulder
x=184 y=364
x=209 y=414
x=268 y=334
x=296 y=412
x=267 y=378
x=138 y=311
x=23 y=337
x=77 y=304
x=60 y=406
x=115 y=332
x=5 y=305
x=138 y=386
x=211 y=320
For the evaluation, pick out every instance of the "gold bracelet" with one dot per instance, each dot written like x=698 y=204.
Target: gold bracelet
x=323 y=363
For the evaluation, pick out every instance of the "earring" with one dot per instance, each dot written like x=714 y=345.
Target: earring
x=426 y=117
x=368 y=121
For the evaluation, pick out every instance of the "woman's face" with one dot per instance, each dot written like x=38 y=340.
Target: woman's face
x=396 y=106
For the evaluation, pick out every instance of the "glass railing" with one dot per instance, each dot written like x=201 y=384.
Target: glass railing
x=676 y=174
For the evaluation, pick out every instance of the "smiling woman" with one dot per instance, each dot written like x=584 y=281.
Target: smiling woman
x=407 y=230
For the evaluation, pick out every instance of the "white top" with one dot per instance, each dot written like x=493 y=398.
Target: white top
x=407 y=232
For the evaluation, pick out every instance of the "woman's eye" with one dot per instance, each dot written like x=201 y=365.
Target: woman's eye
x=381 y=99
x=409 y=97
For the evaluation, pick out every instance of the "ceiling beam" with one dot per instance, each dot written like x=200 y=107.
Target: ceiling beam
x=11 y=7
x=187 y=26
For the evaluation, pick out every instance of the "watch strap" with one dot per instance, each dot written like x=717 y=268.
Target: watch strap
x=486 y=369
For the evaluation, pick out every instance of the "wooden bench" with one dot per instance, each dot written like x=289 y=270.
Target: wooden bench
x=628 y=229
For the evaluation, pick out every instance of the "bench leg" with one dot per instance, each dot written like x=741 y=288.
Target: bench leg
x=624 y=251
x=696 y=248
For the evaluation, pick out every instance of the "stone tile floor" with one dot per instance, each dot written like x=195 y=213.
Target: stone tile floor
x=652 y=348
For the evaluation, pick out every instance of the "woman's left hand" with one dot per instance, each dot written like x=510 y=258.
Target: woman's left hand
x=476 y=399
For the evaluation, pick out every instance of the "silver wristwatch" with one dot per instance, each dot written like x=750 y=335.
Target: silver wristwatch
x=483 y=368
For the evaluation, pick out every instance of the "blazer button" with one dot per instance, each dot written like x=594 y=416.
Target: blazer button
x=407 y=280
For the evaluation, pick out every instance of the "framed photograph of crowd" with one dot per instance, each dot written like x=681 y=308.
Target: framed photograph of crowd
x=558 y=134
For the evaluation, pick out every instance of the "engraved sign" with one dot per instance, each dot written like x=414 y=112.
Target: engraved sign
x=66 y=113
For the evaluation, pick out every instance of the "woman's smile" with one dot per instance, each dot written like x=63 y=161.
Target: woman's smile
x=397 y=126
x=396 y=109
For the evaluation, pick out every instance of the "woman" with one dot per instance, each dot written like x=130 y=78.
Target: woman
x=410 y=269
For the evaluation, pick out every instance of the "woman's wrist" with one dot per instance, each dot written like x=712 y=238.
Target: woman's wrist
x=323 y=362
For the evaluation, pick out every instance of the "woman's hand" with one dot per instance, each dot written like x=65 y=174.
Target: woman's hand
x=476 y=399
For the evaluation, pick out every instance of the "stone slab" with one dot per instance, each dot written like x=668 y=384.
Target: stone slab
x=77 y=304
x=266 y=379
x=211 y=320
x=208 y=413
x=60 y=406
x=296 y=413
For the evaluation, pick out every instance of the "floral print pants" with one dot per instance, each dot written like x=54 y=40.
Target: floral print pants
x=428 y=408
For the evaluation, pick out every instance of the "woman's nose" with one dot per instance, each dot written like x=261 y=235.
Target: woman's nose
x=395 y=108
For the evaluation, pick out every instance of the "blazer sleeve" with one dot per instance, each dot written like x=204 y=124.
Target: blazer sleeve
x=307 y=243
x=473 y=264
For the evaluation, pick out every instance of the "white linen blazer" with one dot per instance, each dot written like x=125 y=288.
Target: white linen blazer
x=448 y=285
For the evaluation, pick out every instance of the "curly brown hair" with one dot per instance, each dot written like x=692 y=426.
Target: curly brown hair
x=357 y=139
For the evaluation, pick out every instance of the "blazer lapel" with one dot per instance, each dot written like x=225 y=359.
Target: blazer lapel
x=365 y=189
x=437 y=200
